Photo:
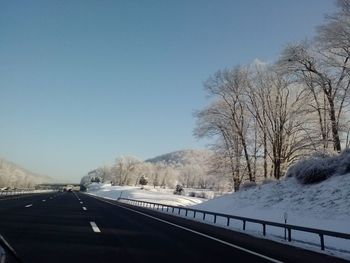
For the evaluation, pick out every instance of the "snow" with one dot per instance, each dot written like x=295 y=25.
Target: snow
x=325 y=205
x=149 y=194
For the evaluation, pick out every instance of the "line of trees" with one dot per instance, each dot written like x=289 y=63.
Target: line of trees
x=11 y=175
x=129 y=170
x=263 y=117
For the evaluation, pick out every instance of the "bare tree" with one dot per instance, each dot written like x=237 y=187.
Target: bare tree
x=214 y=121
x=123 y=169
x=323 y=67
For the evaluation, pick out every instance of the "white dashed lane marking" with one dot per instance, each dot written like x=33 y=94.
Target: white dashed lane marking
x=95 y=227
x=84 y=208
x=44 y=200
x=29 y=205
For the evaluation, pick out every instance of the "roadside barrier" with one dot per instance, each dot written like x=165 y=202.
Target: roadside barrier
x=192 y=213
x=21 y=191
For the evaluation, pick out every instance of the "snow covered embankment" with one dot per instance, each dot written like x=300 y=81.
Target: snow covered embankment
x=325 y=205
x=162 y=196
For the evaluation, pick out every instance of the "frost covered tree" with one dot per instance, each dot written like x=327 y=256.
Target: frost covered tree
x=323 y=67
x=279 y=109
x=228 y=119
x=265 y=117
x=12 y=175
x=124 y=170
x=255 y=114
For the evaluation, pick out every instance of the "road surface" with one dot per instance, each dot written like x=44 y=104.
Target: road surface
x=75 y=227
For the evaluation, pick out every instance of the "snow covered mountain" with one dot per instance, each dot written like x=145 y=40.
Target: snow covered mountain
x=13 y=175
x=183 y=157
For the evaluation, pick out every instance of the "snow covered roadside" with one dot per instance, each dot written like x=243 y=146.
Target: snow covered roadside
x=162 y=196
x=325 y=205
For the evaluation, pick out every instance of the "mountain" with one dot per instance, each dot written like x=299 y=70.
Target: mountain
x=13 y=175
x=183 y=157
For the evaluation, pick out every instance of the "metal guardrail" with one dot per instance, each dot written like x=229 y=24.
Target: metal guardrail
x=16 y=192
x=20 y=192
x=264 y=223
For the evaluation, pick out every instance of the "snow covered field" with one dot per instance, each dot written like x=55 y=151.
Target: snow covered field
x=149 y=194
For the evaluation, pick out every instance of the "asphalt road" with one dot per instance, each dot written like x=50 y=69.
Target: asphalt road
x=74 y=227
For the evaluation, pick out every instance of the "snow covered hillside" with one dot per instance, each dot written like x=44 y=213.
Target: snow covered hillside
x=325 y=205
x=149 y=194
x=12 y=175
x=183 y=157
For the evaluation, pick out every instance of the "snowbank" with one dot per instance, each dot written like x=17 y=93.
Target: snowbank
x=325 y=205
x=157 y=195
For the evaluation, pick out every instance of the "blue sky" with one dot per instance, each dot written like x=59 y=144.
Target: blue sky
x=82 y=82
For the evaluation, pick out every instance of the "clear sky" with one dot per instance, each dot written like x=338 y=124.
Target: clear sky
x=82 y=82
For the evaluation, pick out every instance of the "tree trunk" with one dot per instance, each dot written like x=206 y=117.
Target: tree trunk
x=335 y=133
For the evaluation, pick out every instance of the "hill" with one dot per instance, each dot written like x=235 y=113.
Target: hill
x=12 y=175
x=183 y=157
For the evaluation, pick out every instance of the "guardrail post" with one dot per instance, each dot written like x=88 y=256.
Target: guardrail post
x=194 y=214
x=243 y=224
x=203 y=216
x=167 y=208
x=173 y=210
x=179 y=211
x=228 y=221
x=322 y=241
x=289 y=234
x=186 y=212
x=264 y=229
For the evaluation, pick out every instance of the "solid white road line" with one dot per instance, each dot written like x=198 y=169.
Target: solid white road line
x=8 y=246
x=198 y=233
x=95 y=227
x=84 y=208
x=29 y=205
x=44 y=200
x=81 y=202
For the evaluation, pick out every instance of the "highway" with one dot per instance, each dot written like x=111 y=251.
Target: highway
x=75 y=227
